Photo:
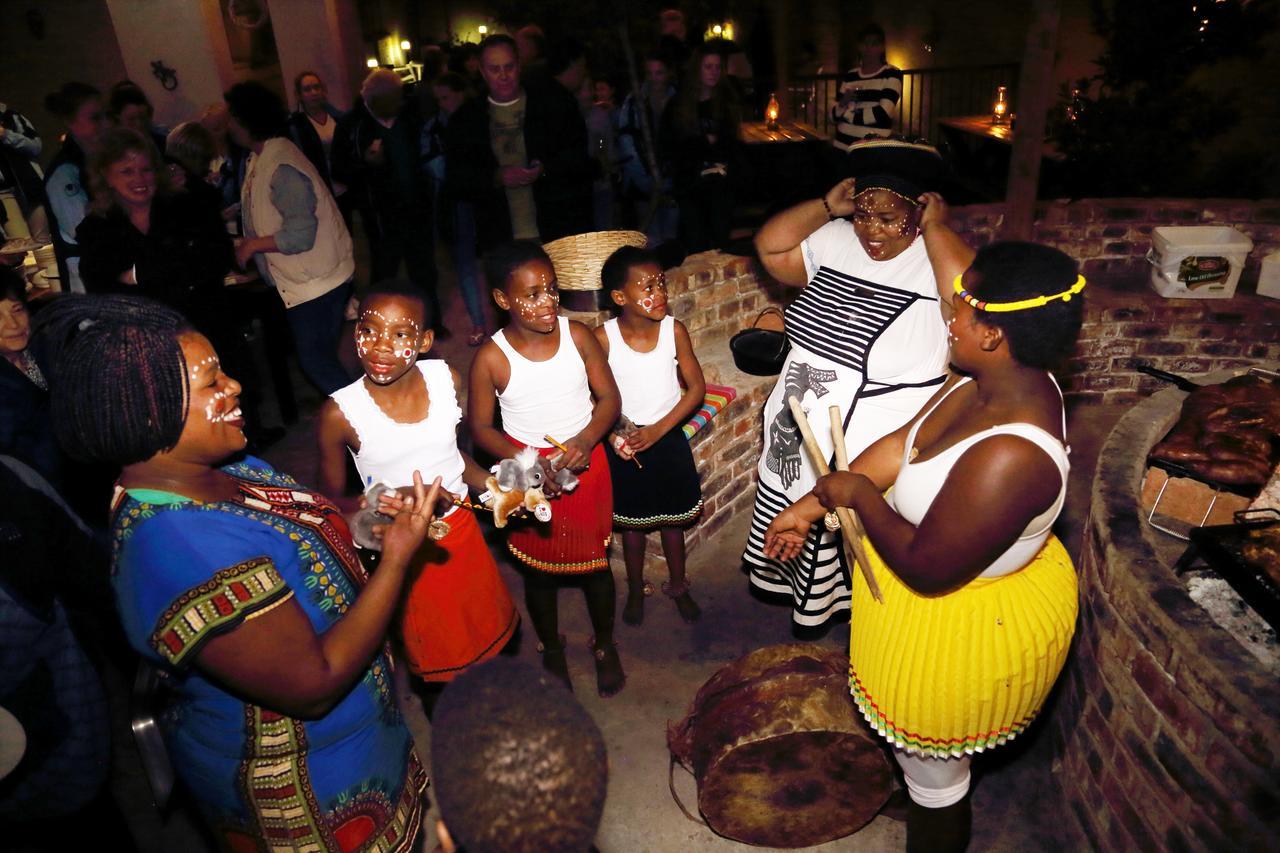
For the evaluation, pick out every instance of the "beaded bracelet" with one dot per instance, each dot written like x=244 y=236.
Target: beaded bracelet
x=830 y=215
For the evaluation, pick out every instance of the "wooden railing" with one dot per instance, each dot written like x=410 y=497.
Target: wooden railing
x=928 y=94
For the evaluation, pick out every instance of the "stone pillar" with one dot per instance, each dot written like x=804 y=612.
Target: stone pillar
x=187 y=37
x=323 y=37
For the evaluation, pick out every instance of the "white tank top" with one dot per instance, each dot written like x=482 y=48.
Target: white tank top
x=391 y=451
x=543 y=398
x=918 y=484
x=649 y=381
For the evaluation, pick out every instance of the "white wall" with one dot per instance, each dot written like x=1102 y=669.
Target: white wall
x=186 y=35
x=320 y=36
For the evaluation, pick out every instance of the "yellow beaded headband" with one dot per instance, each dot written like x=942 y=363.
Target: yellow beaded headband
x=1021 y=305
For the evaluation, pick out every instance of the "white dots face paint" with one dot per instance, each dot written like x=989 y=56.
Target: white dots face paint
x=529 y=307
x=367 y=339
x=194 y=369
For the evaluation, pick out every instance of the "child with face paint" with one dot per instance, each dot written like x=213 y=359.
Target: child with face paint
x=402 y=416
x=551 y=380
x=651 y=357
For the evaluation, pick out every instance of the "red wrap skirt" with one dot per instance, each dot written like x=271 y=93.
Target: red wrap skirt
x=457 y=611
x=576 y=539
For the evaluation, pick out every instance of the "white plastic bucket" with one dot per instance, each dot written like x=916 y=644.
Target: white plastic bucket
x=1269 y=277
x=1197 y=261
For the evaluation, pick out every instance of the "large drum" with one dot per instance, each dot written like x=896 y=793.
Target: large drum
x=780 y=754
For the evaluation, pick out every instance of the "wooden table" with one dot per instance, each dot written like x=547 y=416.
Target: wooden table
x=979 y=152
x=758 y=133
x=982 y=128
x=783 y=166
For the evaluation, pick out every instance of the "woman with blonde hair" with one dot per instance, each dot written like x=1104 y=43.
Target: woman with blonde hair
x=142 y=237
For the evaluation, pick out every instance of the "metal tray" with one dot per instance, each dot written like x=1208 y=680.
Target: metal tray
x=1222 y=548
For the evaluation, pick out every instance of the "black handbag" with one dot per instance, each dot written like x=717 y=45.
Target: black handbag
x=760 y=352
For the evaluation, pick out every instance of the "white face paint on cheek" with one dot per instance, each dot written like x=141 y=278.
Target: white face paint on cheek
x=647 y=303
x=407 y=354
x=210 y=408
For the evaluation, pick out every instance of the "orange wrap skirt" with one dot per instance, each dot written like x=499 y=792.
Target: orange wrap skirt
x=457 y=611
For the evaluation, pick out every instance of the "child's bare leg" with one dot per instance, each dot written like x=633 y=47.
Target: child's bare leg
x=601 y=602
x=633 y=545
x=678 y=588
x=540 y=597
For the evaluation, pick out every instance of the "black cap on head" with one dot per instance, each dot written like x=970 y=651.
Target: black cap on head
x=906 y=168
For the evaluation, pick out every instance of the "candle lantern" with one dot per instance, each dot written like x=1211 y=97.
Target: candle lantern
x=771 y=113
x=1000 y=110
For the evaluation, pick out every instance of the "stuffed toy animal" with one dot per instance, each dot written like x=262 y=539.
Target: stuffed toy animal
x=517 y=483
x=366 y=519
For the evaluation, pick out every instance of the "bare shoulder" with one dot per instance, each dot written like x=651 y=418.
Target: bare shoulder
x=580 y=331
x=334 y=425
x=489 y=355
x=584 y=338
x=601 y=336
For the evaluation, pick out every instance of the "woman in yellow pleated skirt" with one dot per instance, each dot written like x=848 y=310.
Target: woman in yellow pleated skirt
x=945 y=676
x=977 y=601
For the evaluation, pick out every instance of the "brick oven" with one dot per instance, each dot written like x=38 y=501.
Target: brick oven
x=1167 y=731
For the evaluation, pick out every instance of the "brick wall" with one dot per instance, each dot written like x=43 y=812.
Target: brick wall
x=1165 y=732
x=1126 y=322
x=715 y=296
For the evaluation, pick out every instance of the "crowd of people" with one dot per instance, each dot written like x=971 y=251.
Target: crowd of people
x=254 y=593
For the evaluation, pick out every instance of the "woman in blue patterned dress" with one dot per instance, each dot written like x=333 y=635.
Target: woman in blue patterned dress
x=245 y=587
x=867 y=334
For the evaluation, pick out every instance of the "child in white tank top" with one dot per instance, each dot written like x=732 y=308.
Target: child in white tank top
x=402 y=416
x=655 y=481
x=542 y=371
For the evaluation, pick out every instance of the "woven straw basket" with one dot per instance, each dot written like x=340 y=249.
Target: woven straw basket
x=578 y=260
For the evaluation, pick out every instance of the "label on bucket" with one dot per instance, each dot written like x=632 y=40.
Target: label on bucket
x=1203 y=270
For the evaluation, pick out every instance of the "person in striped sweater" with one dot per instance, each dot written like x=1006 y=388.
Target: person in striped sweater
x=869 y=94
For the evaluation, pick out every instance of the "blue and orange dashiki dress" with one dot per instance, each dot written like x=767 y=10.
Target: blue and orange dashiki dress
x=186 y=571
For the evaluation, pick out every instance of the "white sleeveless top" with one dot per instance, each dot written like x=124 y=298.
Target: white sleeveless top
x=918 y=484
x=543 y=398
x=391 y=451
x=649 y=381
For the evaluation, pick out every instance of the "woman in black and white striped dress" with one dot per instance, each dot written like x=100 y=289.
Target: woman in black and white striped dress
x=867 y=334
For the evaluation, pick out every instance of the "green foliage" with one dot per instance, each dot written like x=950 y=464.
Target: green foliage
x=1148 y=122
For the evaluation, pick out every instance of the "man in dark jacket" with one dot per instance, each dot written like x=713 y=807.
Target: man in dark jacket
x=377 y=154
x=519 y=155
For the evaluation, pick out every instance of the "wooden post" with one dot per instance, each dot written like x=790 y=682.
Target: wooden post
x=1035 y=95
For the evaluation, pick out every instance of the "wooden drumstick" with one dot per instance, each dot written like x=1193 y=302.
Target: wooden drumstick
x=842 y=464
x=847 y=521
x=564 y=449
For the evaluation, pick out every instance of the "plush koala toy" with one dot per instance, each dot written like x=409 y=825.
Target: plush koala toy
x=363 y=522
x=518 y=484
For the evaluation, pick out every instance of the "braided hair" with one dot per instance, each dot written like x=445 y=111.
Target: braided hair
x=1013 y=270
x=119 y=379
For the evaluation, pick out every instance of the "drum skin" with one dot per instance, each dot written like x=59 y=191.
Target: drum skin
x=780 y=754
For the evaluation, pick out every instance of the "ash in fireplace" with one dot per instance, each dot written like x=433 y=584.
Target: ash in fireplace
x=1225 y=606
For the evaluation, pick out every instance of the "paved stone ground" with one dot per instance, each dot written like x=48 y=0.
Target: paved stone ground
x=1016 y=806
